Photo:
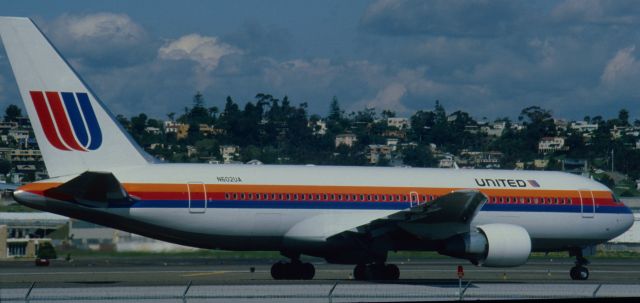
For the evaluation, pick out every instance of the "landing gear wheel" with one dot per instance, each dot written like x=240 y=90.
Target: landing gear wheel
x=579 y=273
x=278 y=271
x=360 y=272
x=307 y=271
x=392 y=272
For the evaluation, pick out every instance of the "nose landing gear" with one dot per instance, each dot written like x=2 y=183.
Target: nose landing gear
x=580 y=272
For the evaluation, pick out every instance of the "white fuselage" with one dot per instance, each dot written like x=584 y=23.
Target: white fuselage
x=254 y=207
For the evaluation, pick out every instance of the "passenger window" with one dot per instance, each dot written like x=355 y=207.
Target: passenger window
x=354 y=197
x=250 y=196
x=384 y=197
x=376 y=198
x=391 y=198
x=325 y=197
x=226 y=196
x=361 y=197
x=333 y=197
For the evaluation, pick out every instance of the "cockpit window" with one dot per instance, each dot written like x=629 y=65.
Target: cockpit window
x=615 y=198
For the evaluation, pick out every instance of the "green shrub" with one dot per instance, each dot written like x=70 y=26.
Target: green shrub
x=46 y=251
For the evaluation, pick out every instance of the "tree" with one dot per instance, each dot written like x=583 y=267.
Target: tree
x=12 y=112
x=5 y=166
x=623 y=117
x=418 y=156
x=336 y=114
x=46 y=251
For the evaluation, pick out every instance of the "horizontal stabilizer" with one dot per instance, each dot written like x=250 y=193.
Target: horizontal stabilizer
x=94 y=189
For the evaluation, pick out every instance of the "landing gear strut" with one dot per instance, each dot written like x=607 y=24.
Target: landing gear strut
x=376 y=271
x=580 y=272
x=294 y=270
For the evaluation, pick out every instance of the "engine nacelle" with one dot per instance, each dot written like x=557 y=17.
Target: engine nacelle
x=493 y=245
x=507 y=245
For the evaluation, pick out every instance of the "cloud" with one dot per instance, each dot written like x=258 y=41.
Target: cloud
x=390 y=97
x=205 y=51
x=101 y=39
x=440 y=17
x=594 y=12
x=620 y=77
x=261 y=40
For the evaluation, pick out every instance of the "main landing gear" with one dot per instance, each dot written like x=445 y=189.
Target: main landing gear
x=580 y=272
x=294 y=270
x=376 y=271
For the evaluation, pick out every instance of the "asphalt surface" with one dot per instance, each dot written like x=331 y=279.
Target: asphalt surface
x=205 y=280
x=176 y=271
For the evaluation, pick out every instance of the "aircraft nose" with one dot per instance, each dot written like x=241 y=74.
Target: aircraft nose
x=628 y=220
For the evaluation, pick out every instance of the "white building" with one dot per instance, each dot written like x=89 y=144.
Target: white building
x=494 y=130
x=229 y=153
x=584 y=126
x=346 y=139
x=376 y=152
x=550 y=144
x=318 y=127
x=399 y=123
x=152 y=130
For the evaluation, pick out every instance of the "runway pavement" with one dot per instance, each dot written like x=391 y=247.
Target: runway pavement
x=140 y=278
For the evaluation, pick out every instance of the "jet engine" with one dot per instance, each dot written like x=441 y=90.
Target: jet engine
x=492 y=245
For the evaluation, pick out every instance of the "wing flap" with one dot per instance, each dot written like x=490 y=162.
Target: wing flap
x=444 y=217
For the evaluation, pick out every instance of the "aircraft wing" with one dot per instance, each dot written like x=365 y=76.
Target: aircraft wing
x=441 y=218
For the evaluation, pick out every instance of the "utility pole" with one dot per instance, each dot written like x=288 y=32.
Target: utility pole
x=612 y=160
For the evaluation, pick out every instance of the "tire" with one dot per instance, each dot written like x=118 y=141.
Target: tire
x=392 y=272
x=583 y=273
x=307 y=271
x=579 y=273
x=278 y=271
x=360 y=272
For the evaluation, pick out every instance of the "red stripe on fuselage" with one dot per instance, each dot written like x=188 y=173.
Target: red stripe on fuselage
x=62 y=121
x=45 y=120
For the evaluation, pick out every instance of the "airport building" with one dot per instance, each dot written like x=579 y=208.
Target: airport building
x=21 y=234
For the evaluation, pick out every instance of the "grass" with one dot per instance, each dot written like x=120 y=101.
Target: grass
x=16 y=208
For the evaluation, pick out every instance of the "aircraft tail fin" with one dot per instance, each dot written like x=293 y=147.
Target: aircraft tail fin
x=74 y=130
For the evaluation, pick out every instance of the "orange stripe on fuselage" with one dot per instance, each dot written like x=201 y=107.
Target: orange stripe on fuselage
x=157 y=189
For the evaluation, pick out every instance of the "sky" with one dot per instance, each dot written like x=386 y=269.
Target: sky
x=488 y=58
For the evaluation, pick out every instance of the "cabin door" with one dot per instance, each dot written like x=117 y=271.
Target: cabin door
x=197 y=197
x=414 y=198
x=587 y=203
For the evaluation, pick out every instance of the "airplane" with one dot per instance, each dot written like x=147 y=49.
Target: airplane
x=345 y=215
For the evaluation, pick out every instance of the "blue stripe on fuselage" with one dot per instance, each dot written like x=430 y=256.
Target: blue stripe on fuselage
x=362 y=205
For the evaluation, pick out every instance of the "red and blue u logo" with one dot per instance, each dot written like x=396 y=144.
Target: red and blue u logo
x=68 y=120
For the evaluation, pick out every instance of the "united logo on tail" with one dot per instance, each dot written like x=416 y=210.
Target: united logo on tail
x=68 y=120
